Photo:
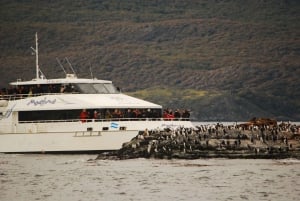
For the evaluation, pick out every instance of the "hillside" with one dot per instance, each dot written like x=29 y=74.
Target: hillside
x=224 y=60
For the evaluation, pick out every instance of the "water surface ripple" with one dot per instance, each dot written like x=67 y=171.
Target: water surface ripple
x=80 y=177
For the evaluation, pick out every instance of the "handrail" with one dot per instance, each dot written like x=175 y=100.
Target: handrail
x=12 y=97
x=104 y=120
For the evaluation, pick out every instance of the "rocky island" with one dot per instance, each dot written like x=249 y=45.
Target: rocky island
x=259 y=138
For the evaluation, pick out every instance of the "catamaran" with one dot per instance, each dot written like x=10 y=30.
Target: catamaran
x=73 y=114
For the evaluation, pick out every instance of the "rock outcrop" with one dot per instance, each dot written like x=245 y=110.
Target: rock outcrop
x=212 y=141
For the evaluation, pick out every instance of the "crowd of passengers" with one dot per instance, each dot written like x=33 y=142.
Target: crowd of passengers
x=168 y=114
x=28 y=90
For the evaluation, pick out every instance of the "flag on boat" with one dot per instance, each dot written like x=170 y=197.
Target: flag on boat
x=114 y=125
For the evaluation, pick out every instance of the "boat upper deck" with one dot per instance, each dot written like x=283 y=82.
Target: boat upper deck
x=70 y=85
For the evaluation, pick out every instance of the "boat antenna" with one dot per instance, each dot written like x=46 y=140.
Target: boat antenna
x=91 y=71
x=36 y=51
x=70 y=65
x=62 y=67
x=42 y=74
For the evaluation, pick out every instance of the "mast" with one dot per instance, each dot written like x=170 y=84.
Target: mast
x=36 y=56
x=36 y=52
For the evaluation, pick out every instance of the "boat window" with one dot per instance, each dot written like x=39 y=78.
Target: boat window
x=100 y=114
x=96 y=88
x=100 y=88
x=111 y=88
x=48 y=115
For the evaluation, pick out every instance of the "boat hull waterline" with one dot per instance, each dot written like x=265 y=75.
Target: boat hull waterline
x=77 y=136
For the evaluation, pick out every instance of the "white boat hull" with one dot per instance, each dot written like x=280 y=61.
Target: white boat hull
x=64 y=142
x=77 y=136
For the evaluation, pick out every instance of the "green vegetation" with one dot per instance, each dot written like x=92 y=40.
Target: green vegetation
x=225 y=60
x=168 y=94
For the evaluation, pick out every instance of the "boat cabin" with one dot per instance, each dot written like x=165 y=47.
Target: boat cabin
x=46 y=100
x=71 y=84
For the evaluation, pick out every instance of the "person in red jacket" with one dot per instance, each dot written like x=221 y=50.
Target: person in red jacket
x=84 y=115
x=170 y=115
x=165 y=115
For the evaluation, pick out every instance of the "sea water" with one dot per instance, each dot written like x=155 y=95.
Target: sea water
x=81 y=177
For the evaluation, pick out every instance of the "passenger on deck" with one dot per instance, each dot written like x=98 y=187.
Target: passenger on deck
x=69 y=88
x=170 y=115
x=84 y=115
x=186 y=114
x=62 y=89
x=3 y=93
x=96 y=115
x=165 y=115
x=117 y=113
x=129 y=114
x=50 y=89
x=30 y=92
x=137 y=113
x=149 y=113
x=12 y=90
x=108 y=114
x=39 y=89
x=177 y=114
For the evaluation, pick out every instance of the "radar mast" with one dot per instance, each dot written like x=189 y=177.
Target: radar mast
x=36 y=51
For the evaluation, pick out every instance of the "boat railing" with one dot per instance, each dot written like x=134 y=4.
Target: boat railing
x=104 y=120
x=12 y=97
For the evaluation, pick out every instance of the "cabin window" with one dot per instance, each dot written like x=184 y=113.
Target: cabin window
x=111 y=88
x=48 y=115
x=98 y=88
